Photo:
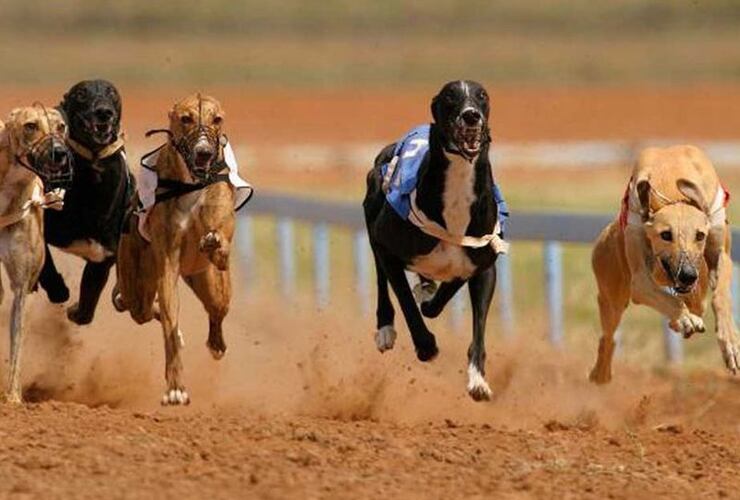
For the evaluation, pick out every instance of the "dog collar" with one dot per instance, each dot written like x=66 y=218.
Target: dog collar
x=89 y=155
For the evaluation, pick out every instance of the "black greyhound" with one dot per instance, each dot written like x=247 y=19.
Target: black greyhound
x=431 y=208
x=90 y=224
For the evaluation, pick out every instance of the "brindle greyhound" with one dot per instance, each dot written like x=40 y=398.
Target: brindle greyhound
x=191 y=228
x=35 y=168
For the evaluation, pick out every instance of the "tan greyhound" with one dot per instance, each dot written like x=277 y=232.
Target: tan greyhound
x=35 y=167
x=668 y=247
x=190 y=229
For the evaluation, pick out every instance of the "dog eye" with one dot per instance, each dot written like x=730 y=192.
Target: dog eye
x=30 y=127
x=700 y=236
x=186 y=119
x=666 y=236
x=61 y=128
x=482 y=95
x=217 y=120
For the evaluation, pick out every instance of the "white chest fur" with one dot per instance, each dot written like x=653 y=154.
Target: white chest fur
x=447 y=261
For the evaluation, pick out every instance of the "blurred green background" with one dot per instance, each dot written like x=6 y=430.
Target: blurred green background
x=372 y=43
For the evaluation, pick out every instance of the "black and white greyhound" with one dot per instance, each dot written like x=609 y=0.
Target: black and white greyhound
x=432 y=208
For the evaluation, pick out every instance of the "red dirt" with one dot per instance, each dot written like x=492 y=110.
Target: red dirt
x=303 y=405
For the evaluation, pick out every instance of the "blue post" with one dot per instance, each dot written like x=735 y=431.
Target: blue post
x=735 y=291
x=245 y=249
x=505 y=293
x=553 y=259
x=361 y=256
x=286 y=249
x=672 y=343
x=458 y=309
x=321 y=264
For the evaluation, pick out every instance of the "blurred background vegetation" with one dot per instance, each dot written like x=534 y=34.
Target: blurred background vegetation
x=371 y=42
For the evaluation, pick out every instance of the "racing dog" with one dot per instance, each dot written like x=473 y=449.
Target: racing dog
x=35 y=168
x=668 y=247
x=431 y=208
x=90 y=223
x=190 y=227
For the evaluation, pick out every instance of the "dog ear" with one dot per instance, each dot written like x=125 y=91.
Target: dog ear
x=435 y=108
x=692 y=192
x=643 y=194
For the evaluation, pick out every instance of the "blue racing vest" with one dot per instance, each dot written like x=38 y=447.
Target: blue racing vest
x=411 y=151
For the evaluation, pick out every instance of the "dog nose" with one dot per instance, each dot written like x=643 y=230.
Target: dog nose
x=687 y=275
x=104 y=114
x=471 y=116
x=58 y=152
x=203 y=154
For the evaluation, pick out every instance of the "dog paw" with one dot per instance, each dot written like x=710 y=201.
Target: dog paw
x=427 y=350
x=217 y=349
x=424 y=291
x=75 y=316
x=478 y=388
x=385 y=338
x=428 y=311
x=117 y=300
x=175 y=397
x=210 y=242
x=11 y=398
x=687 y=325
x=730 y=353
x=599 y=376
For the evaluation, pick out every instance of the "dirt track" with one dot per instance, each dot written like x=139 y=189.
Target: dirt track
x=304 y=406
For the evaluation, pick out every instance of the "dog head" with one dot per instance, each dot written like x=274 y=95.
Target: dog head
x=677 y=234
x=93 y=110
x=461 y=110
x=36 y=137
x=195 y=128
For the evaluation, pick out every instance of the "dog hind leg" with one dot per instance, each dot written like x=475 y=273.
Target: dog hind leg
x=481 y=287
x=213 y=289
x=722 y=307
x=385 y=336
x=52 y=281
x=613 y=297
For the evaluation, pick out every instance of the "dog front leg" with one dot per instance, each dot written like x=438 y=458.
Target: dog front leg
x=481 y=287
x=16 y=344
x=385 y=336
x=722 y=307
x=169 y=308
x=645 y=291
x=94 y=278
x=424 y=341
x=52 y=281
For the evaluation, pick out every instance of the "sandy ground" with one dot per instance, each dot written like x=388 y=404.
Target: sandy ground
x=303 y=405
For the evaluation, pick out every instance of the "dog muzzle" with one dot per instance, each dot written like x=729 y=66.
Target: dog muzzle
x=51 y=160
x=192 y=146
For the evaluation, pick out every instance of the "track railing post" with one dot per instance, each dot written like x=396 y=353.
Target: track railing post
x=286 y=256
x=553 y=260
x=361 y=258
x=505 y=292
x=457 y=309
x=245 y=249
x=321 y=264
x=735 y=292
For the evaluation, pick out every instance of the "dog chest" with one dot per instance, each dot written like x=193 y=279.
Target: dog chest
x=447 y=261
